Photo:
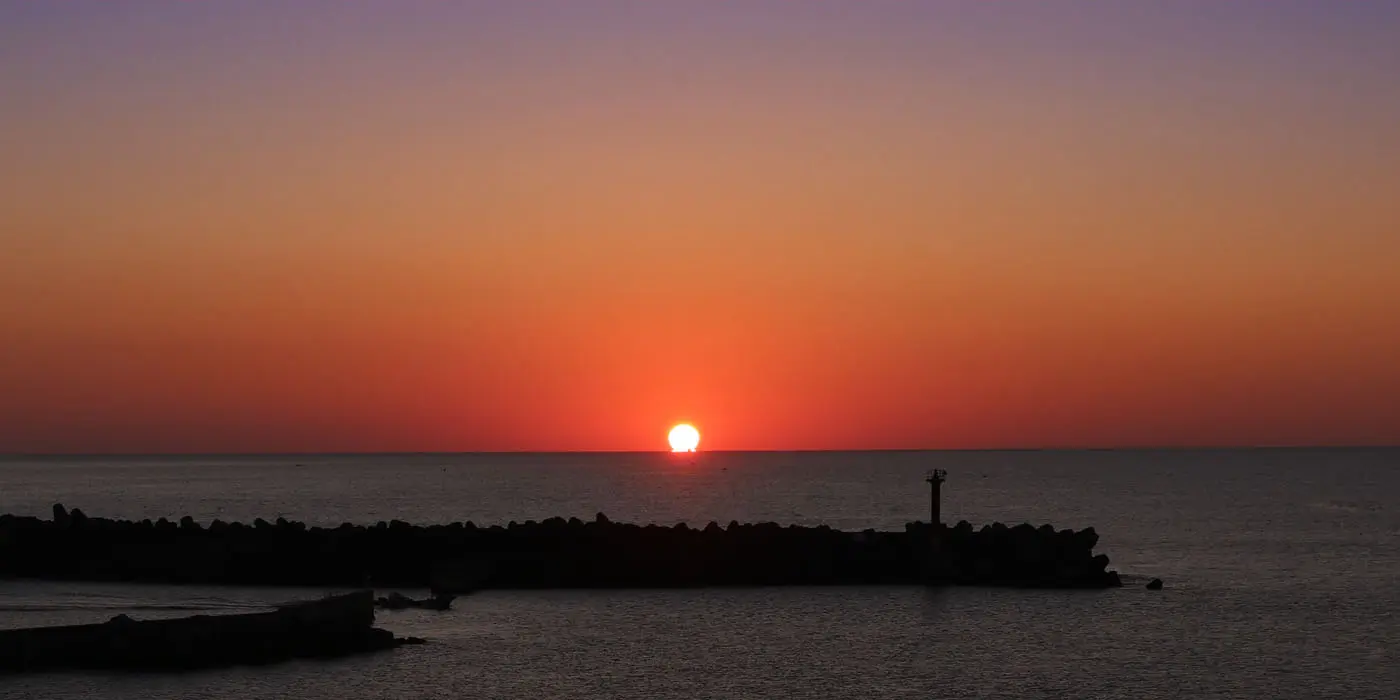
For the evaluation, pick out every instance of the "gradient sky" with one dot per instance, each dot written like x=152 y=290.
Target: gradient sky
x=345 y=226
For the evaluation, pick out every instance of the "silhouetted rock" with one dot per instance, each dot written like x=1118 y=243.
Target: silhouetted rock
x=555 y=553
x=1154 y=585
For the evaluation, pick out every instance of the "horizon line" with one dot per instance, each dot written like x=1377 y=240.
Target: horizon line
x=371 y=453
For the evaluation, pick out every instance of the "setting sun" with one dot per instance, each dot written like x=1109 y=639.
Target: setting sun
x=684 y=438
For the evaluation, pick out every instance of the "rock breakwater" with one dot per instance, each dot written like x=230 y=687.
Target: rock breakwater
x=553 y=553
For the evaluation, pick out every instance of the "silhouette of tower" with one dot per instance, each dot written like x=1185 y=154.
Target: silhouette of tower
x=935 y=480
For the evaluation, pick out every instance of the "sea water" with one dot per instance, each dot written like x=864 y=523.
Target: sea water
x=1282 y=572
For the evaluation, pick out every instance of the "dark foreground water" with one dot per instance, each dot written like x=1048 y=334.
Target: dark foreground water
x=1282 y=571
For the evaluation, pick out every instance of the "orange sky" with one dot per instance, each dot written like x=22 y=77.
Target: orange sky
x=823 y=233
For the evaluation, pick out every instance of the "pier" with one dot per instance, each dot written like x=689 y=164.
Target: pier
x=331 y=627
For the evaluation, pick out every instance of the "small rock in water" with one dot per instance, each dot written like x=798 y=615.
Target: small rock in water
x=1154 y=585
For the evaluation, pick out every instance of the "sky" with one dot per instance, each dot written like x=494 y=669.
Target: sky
x=553 y=225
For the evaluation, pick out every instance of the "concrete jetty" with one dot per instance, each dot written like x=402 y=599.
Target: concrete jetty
x=331 y=627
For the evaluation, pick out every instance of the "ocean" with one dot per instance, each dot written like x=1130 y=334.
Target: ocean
x=1282 y=571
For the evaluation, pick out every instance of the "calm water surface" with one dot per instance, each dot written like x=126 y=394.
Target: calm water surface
x=1282 y=566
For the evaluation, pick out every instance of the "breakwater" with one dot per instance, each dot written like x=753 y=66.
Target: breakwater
x=554 y=553
x=331 y=627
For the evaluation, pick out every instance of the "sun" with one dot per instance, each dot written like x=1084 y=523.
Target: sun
x=684 y=438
